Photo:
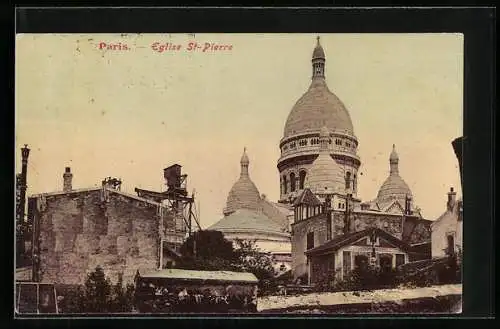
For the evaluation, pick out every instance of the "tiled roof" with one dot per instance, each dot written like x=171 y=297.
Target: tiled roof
x=308 y=198
x=345 y=239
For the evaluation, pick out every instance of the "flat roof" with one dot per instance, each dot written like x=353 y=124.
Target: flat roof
x=180 y=274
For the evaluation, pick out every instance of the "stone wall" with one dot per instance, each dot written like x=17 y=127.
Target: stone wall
x=79 y=231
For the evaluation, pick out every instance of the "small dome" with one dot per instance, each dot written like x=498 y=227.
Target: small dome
x=325 y=176
x=394 y=188
x=244 y=193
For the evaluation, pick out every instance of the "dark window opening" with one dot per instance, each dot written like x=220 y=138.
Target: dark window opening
x=310 y=240
x=450 y=250
x=328 y=229
x=400 y=259
x=361 y=261
x=348 y=180
x=302 y=179
x=292 y=182
x=346 y=262
x=385 y=262
x=285 y=190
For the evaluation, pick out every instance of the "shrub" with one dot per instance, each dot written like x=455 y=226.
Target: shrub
x=98 y=295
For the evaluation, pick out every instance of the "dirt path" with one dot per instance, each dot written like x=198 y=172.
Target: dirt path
x=349 y=297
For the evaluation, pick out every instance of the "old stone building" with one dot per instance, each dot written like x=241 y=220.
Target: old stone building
x=250 y=216
x=76 y=230
x=319 y=177
x=447 y=229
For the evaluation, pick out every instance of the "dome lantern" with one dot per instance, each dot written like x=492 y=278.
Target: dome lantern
x=244 y=162
x=394 y=161
x=318 y=61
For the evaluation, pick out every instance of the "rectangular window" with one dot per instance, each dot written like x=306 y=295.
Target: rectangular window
x=400 y=259
x=346 y=262
x=450 y=250
x=310 y=240
x=328 y=228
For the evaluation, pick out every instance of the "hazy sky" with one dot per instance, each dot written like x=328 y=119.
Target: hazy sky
x=131 y=113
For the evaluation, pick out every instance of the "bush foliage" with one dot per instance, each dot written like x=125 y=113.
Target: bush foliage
x=98 y=295
x=370 y=278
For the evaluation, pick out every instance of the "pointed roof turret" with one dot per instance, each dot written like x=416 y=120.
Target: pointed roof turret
x=244 y=162
x=394 y=160
x=318 y=52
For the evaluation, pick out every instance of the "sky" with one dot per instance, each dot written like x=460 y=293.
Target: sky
x=129 y=113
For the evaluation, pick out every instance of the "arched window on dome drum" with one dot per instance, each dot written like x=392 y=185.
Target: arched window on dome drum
x=354 y=183
x=347 y=180
x=302 y=179
x=292 y=182
x=285 y=190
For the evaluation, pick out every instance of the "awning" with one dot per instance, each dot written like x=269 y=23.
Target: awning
x=191 y=275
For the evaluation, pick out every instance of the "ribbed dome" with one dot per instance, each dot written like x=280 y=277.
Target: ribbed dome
x=244 y=194
x=318 y=107
x=394 y=186
x=325 y=176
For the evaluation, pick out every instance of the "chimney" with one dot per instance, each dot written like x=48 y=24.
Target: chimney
x=67 y=180
x=452 y=197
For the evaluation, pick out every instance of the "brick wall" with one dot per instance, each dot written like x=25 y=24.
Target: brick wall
x=79 y=231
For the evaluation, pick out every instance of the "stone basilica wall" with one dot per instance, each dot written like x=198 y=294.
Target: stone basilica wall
x=78 y=232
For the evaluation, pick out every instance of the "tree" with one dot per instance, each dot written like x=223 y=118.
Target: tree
x=99 y=296
x=207 y=245
x=251 y=259
x=97 y=292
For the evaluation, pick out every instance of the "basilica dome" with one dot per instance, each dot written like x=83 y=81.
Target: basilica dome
x=325 y=176
x=394 y=187
x=244 y=194
x=318 y=107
